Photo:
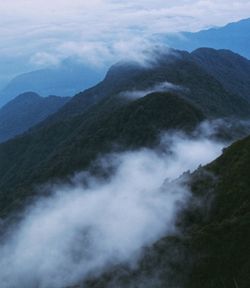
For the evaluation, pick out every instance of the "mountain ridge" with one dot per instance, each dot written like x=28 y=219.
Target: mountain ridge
x=171 y=67
x=73 y=137
x=234 y=36
x=65 y=79
x=25 y=111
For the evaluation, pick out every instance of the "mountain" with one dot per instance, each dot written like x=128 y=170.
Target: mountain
x=66 y=79
x=25 y=111
x=67 y=146
x=234 y=36
x=208 y=89
x=220 y=241
x=212 y=246
x=126 y=111
x=232 y=70
x=103 y=117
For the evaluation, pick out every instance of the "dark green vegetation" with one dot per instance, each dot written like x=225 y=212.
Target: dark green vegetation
x=215 y=233
x=99 y=119
x=166 y=264
x=201 y=86
x=25 y=111
x=231 y=69
x=212 y=250
x=221 y=242
x=69 y=146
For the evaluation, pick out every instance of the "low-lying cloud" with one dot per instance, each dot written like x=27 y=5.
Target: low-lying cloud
x=92 y=224
x=160 y=87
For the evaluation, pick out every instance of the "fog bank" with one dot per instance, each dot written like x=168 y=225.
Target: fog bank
x=91 y=224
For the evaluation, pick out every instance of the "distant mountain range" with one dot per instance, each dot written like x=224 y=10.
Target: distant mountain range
x=234 y=36
x=25 y=111
x=71 y=76
x=66 y=79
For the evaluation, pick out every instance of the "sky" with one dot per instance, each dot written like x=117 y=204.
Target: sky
x=39 y=33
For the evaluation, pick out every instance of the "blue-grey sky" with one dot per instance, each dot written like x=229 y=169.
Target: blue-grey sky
x=36 y=33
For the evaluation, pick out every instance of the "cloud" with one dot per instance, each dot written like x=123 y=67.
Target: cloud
x=99 y=30
x=92 y=224
x=161 y=87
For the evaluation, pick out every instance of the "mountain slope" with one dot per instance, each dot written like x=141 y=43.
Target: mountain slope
x=213 y=249
x=204 y=88
x=69 y=146
x=232 y=70
x=25 y=111
x=221 y=242
x=67 y=79
x=234 y=36
x=93 y=121
x=214 y=245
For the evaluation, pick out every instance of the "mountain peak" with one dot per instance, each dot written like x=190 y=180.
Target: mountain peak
x=25 y=111
x=218 y=52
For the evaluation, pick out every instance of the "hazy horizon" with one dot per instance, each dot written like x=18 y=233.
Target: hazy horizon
x=38 y=34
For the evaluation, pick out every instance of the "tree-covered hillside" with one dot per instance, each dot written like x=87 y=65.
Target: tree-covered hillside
x=231 y=69
x=204 y=87
x=71 y=145
x=220 y=243
x=211 y=248
x=129 y=110
x=102 y=118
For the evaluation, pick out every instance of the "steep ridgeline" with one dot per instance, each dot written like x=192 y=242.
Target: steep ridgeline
x=25 y=111
x=115 y=114
x=205 y=85
x=232 y=70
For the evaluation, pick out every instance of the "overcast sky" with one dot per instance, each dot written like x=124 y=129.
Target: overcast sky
x=45 y=31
